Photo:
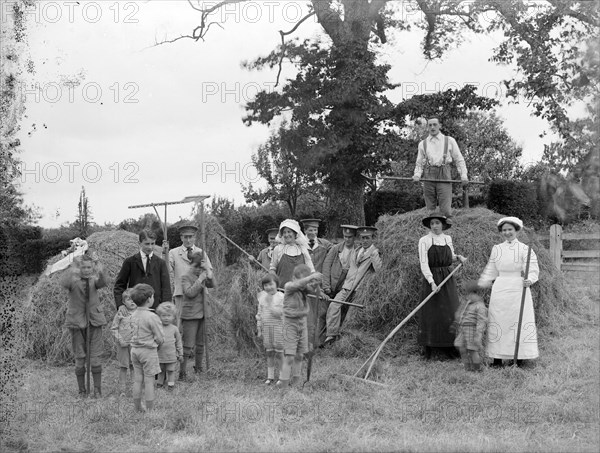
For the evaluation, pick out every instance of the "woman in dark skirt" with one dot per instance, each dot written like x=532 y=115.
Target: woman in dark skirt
x=436 y=255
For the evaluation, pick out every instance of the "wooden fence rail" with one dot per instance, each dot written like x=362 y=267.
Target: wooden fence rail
x=558 y=254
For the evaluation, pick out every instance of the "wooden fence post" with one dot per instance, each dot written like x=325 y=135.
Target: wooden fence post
x=556 y=245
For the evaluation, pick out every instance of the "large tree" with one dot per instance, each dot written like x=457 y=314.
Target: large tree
x=545 y=40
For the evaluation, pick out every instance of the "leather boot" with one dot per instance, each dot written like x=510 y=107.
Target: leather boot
x=198 y=361
x=97 y=377
x=183 y=368
x=80 y=373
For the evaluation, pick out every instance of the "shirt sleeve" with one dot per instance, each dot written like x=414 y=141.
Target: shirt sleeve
x=451 y=245
x=490 y=273
x=101 y=280
x=458 y=158
x=157 y=330
x=376 y=260
x=192 y=289
x=424 y=259
x=178 y=344
x=420 y=160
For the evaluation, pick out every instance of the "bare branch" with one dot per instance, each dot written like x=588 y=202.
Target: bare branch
x=283 y=46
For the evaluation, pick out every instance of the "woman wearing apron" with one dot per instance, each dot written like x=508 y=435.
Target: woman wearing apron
x=506 y=268
x=436 y=254
x=291 y=251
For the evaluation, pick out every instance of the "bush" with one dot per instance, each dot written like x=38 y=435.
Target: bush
x=515 y=198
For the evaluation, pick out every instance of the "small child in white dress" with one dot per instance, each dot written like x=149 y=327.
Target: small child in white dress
x=269 y=322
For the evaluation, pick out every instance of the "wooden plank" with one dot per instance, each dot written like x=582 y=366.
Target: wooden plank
x=584 y=267
x=576 y=236
x=581 y=253
x=556 y=245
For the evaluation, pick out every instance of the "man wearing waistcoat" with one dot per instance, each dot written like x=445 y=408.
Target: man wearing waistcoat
x=434 y=157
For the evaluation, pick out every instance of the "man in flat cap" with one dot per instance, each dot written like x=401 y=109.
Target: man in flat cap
x=434 y=156
x=335 y=269
x=180 y=259
x=264 y=257
x=365 y=259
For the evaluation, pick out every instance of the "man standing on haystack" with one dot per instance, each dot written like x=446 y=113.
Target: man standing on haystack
x=365 y=259
x=180 y=261
x=335 y=270
x=435 y=154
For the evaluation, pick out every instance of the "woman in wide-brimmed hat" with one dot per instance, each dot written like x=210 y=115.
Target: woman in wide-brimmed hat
x=505 y=269
x=436 y=254
x=292 y=249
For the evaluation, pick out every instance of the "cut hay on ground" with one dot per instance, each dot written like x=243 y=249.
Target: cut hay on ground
x=391 y=294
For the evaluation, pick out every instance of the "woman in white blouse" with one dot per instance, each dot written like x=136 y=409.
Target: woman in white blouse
x=506 y=269
x=436 y=255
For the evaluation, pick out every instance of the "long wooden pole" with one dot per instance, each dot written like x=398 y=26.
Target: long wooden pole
x=374 y=356
x=401 y=178
x=522 y=307
x=243 y=251
x=88 y=339
x=204 y=291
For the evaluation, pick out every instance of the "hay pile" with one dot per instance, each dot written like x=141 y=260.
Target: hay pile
x=391 y=294
x=240 y=301
x=45 y=312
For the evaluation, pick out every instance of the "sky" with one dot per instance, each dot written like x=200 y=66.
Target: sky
x=135 y=123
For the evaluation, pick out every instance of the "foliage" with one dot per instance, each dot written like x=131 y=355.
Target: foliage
x=514 y=198
x=14 y=46
x=281 y=163
x=83 y=215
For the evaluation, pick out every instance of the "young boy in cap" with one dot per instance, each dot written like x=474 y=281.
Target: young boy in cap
x=335 y=270
x=317 y=247
x=365 y=259
x=264 y=257
x=180 y=261
x=83 y=289
x=144 y=267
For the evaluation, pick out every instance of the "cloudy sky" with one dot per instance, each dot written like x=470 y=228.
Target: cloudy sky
x=136 y=123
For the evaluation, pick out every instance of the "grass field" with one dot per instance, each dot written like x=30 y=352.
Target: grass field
x=424 y=406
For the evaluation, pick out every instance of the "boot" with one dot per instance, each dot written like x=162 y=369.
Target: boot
x=476 y=367
x=198 y=361
x=497 y=363
x=149 y=405
x=80 y=373
x=97 y=377
x=282 y=384
x=137 y=404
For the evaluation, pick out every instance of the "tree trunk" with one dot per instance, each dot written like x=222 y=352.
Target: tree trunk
x=346 y=206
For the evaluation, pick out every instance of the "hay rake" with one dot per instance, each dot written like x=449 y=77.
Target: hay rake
x=163 y=224
x=373 y=357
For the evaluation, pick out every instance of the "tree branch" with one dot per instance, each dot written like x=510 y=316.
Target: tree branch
x=283 y=46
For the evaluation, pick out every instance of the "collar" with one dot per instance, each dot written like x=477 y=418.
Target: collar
x=142 y=254
x=431 y=233
x=439 y=136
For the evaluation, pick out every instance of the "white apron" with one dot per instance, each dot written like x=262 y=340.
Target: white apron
x=505 y=267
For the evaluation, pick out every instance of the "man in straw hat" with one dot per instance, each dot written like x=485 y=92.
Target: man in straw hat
x=317 y=247
x=180 y=261
x=434 y=156
x=264 y=257
x=335 y=270
x=363 y=260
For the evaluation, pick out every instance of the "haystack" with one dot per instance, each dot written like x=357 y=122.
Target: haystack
x=391 y=294
x=46 y=337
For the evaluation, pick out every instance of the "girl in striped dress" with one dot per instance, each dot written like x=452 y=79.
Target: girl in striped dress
x=269 y=321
